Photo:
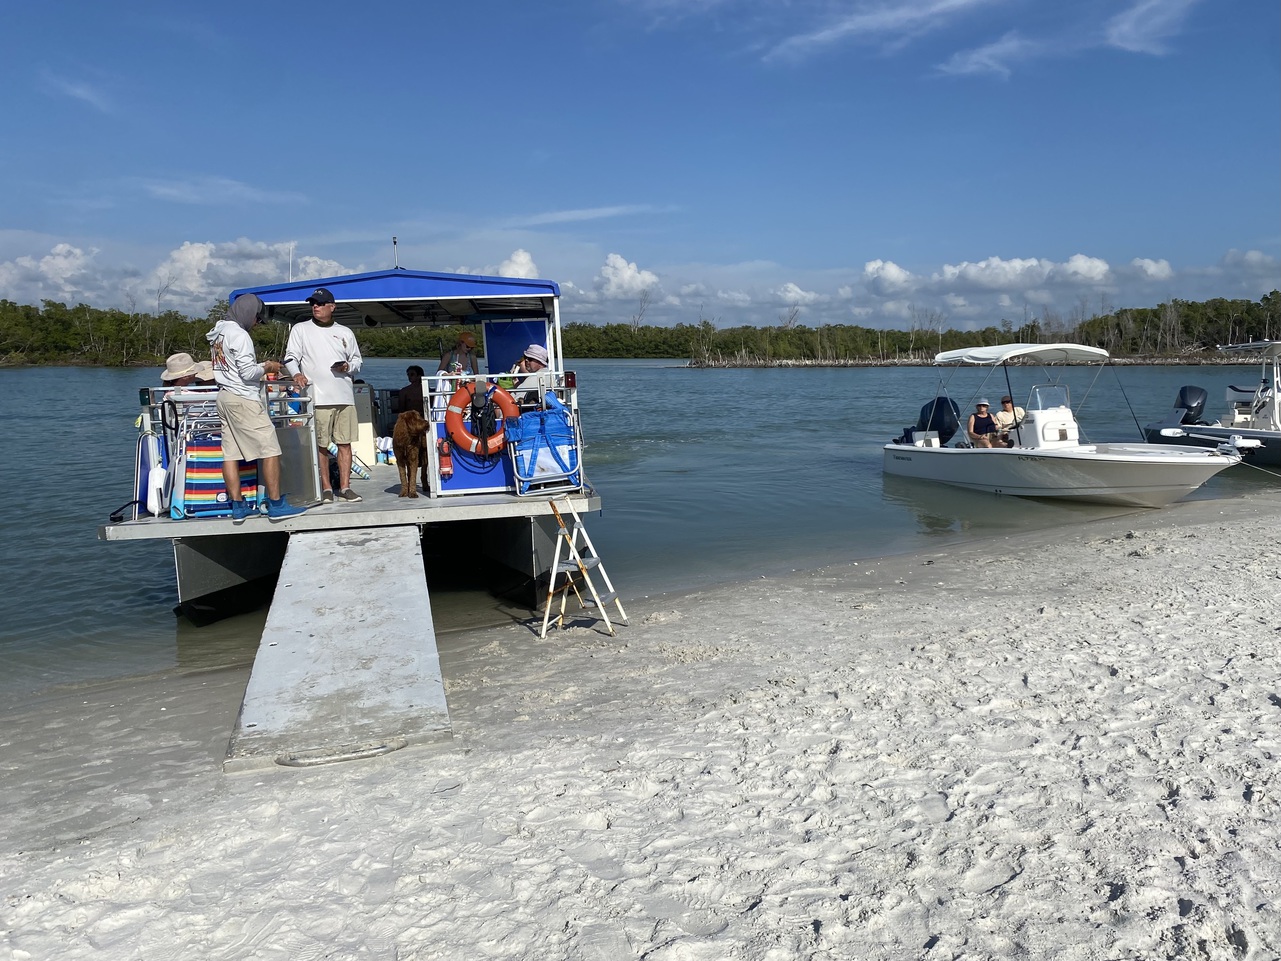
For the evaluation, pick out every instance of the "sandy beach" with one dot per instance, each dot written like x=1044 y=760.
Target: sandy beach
x=1059 y=745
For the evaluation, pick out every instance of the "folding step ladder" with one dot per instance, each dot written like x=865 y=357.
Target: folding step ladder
x=572 y=563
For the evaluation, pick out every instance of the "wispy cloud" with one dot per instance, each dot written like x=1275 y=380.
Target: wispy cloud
x=1143 y=26
x=995 y=58
x=77 y=90
x=892 y=22
x=215 y=191
x=1148 y=25
x=580 y=216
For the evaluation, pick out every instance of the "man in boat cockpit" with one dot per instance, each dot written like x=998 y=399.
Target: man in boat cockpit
x=1007 y=418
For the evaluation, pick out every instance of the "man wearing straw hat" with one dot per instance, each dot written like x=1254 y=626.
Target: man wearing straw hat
x=182 y=370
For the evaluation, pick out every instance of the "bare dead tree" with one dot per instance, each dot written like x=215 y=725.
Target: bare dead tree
x=788 y=321
x=646 y=296
x=1170 y=328
x=927 y=323
x=163 y=289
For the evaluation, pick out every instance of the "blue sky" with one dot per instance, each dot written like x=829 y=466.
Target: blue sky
x=880 y=163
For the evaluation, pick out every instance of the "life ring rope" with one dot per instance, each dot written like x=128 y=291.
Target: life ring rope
x=455 y=422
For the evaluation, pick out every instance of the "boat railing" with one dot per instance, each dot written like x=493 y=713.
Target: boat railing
x=441 y=388
x=193 y=409
x=172 y=418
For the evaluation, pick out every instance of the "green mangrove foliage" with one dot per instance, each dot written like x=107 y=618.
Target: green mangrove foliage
x=56 y=334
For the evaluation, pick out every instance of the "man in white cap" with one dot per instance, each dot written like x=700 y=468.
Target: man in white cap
x=325 y=356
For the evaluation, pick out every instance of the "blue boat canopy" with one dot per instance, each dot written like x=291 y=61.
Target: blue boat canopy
x=410 y=298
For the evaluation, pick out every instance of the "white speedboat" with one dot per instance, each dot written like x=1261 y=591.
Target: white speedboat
x=1253 y=419
x=1047 y=457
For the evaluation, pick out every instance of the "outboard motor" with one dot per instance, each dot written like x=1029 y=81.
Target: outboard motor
x=942 y=415
x=1191 y=401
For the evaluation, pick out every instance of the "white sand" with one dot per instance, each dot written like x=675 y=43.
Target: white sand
x=1057 y=746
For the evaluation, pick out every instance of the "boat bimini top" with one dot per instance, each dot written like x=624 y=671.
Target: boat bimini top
x=1044 y=353
x=411 y=298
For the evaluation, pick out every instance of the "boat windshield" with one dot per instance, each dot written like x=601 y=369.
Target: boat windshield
x=1048 y=397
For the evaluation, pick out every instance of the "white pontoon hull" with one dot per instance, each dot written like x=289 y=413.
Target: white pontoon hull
x=1131 y=475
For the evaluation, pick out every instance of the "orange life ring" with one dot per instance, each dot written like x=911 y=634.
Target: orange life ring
x=460 y=435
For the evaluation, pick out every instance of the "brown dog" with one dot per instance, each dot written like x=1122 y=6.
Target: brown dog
x=409 y=444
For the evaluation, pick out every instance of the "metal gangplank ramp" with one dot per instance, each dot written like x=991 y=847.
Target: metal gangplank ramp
x=347 y=667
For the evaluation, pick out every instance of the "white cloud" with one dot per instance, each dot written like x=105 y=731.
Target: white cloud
x=192 y=276
x=994 y=273
x=897 y=310
x=519 y=264
x=1152 y=269
x=195 y=275
x=734 y=298
x=885 y=277
x=1147 y=25
x=1091 y=270
x=791 y=295
x=64 y=274
x=620 y=279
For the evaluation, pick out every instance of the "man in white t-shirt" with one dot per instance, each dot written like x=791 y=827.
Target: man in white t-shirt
x=325 y=355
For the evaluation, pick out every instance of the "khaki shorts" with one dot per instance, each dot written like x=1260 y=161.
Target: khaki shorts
x=247 y=433
x=335 y=425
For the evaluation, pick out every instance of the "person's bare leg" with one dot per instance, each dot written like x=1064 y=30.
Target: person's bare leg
x=344 y=466
x=231 y=477
x=269 y=470
x=324 y=469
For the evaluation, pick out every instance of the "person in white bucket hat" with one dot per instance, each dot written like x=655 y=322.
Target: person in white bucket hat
x=525 y=390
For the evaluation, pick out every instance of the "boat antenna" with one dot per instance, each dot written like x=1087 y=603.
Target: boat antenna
x=395 y=257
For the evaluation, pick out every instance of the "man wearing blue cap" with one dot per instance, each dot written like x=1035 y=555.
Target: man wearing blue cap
x=325 y=356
